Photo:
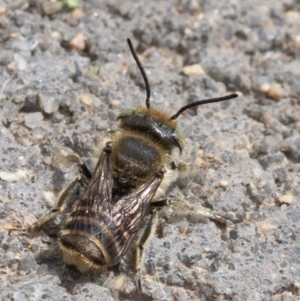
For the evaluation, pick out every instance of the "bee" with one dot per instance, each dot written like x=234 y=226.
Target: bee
x=136 y=167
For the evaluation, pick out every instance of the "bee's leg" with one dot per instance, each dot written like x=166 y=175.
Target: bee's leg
x=142 y=243
x=183 y=208
x=184 y=170
x=195 y=212
x=61 y=204
x=160 y=203
x=64 y=198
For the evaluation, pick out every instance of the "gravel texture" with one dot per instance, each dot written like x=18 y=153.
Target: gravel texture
x=66 y=73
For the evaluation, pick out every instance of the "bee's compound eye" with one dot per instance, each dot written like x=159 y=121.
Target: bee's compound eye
x=159 y=124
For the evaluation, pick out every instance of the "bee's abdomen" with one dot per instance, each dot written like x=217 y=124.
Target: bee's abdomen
x=87 y=243
x=135 y=157
x=77 y=250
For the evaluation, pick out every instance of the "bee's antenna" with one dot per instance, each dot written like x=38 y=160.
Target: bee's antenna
x=202 y=102
x=138 y=62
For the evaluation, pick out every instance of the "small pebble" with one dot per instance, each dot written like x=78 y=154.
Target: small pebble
x=115 y=103
x=14 y=35
x=275 y=92
x=48 y=100
x=86 y=98
x=292 y=146
x=118 y=282
x=12 y=176
x=20 y=61
x=11 y=66
x=10 y=110
x=195 y=69
x=292 y=16
x=33 y=120
x=264 y=226
x=264 y=88
x=77 y=14
x=180 y=295
x=297 y=40
x=286 y=199
x=2 y=10
x=158 y=293
x=56 y=35
x=223 y=183
x=78 y=42
x=42 y=269
x=188 y=32
x=51 y=8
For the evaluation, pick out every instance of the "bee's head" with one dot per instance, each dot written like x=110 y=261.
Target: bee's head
x=156 y=123
x=153 y=123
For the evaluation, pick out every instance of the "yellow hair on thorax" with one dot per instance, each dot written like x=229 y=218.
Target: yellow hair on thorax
x=159 y=114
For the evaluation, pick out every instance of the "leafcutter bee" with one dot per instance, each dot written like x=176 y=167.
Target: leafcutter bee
x=137 y=165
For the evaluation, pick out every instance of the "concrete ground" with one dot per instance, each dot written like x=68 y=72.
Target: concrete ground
x=66 y=73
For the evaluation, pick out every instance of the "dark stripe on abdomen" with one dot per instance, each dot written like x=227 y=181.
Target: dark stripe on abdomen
x=109 y=235
x=84 y=246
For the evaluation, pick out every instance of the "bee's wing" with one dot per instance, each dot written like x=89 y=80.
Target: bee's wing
x=112 y=224
x=99 y=190
x=96 y=198
x=129 y=212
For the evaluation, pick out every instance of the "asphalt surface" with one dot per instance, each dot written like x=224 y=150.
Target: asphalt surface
x=65 y=75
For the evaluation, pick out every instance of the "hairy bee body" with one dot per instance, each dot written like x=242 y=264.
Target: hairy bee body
x=104 y=221
x=97 y=239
